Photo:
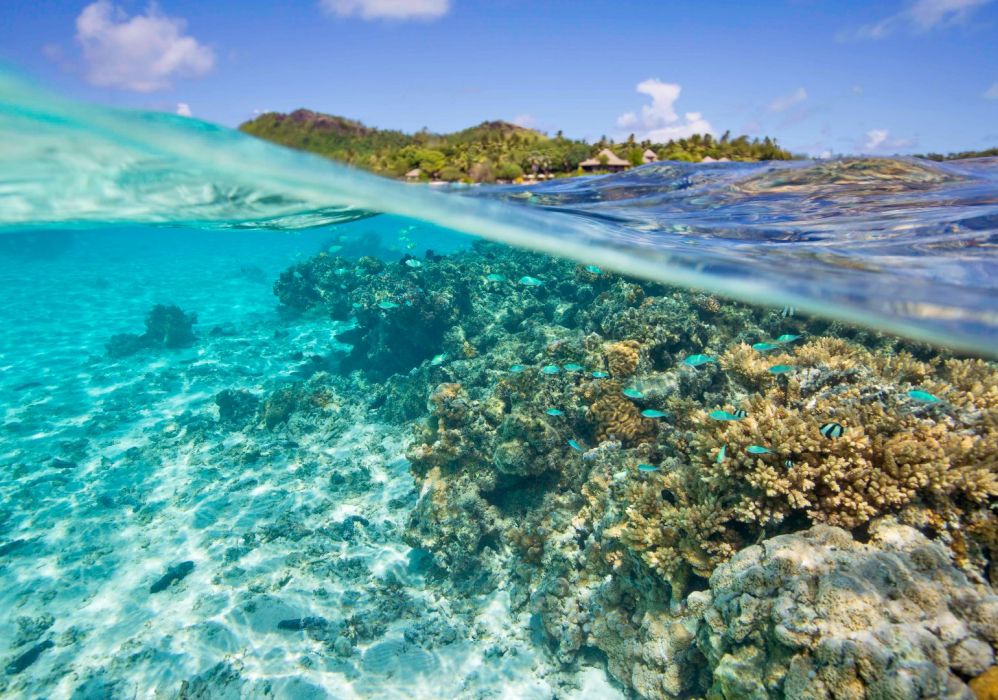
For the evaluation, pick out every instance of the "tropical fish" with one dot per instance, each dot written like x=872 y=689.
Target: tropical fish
x=757 y=450
x=787 y=338
x=550 y=369
x=495 y=277
x=721 y=454
x=574 y=445
x=413 y=263
x=652 y=413
x=781 y=369
x=697 y=360
x=387 y=305
x=572 y=367
x=633 y=394
x=554 y=412
x=788 y=463
x=923 y=396
x=765 y=347
x=647 y=468
x=724 y=415
x=516 y=369
x=600 y=375
x=831 y=430
x=594 y=270
x=529 y=281
x=788 y=311
x=438 y=359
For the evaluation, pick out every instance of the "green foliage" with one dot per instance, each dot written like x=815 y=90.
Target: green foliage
x=484 y=153
x=508 y=171
x=987 y=153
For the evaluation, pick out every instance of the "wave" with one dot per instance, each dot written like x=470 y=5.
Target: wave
x=901 y=245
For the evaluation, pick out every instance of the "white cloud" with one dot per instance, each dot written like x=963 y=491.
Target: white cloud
x=880 y=141
x=785 y=102
x=142 y=53
x=992 y=92
x=659 y=120
x=387 y=9
x=921 y=16
x=527 y=121
x=184 y=109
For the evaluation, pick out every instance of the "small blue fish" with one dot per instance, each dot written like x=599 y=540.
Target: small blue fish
x=765 y=347
x=757 y=450
x=495 y=277
x=721 y=454
x=438 y=359
x=600 y=375
x=387 y=305
x=572 y=367
x=923 y=396
x=594 y=270
x=781 y=369
x=787 y=338
x=697 y=360
x=633 y=394
x=831 y=430
x=516 y=369
x=529 y=281
x=652 y=413
x=647 y=468
x=550 y=369
x=413 y=263
x=554 y=412
x=574 y=445
x=788 y=463
x=724 y=415
x=357 y=305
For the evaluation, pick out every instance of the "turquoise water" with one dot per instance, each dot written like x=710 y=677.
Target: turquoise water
x=252 y=514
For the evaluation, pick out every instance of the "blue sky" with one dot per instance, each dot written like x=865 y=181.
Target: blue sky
x=836 y=76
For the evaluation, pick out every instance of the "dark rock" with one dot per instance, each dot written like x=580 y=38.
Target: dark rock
x=59 y=463
x=175 y=573
x=299 y=624
x=29 y=657
x=236 y=406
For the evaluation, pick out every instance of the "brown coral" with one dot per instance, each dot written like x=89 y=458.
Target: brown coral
x=616 y=417
x=622 y=357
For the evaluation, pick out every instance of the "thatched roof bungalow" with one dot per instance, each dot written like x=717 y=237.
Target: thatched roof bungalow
x=649 y=156
x=605 y=160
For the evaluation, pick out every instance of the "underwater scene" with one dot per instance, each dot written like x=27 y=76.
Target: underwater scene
x=274 y=428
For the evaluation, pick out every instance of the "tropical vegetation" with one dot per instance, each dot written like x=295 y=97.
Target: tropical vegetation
x=491 y=151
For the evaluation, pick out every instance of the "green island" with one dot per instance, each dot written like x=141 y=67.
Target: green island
x=494 y=151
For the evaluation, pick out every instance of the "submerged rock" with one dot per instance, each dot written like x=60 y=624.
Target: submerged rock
x=819 y=615
x=166 y=327
x=177 y=572
x=29 y=657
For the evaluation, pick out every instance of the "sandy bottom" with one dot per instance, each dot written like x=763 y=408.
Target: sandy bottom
x=114 y=473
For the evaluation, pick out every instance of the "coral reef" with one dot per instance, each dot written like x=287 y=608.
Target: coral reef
x=819 y=615
x=166 y=327
x=611 y=451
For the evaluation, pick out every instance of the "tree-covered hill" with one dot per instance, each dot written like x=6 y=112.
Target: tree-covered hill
x=491 y=151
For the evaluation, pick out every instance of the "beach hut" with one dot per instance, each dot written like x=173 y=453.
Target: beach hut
x=649 y=156
x=605 y=160
x=413 y=175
